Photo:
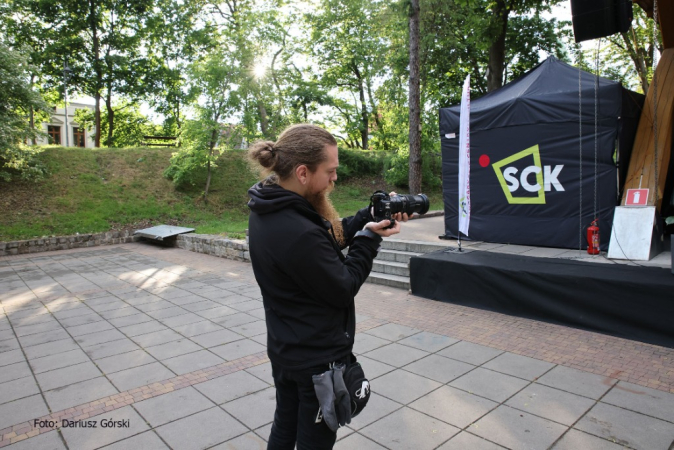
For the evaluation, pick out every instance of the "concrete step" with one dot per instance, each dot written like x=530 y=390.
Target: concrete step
x=391 y=268
x=393 y=281
x=395 y=256
x=412 y=246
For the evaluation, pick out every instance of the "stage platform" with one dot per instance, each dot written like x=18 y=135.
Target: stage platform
x=428 y=230
x=633 y=300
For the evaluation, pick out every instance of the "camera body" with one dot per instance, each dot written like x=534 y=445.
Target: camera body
x=384 y=206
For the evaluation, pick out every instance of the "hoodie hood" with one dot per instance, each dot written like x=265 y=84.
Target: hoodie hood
x=269 y=198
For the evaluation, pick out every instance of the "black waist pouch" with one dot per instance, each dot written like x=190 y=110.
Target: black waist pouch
x=357 y=385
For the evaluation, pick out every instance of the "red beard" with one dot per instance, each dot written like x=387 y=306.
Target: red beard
x=323 y=205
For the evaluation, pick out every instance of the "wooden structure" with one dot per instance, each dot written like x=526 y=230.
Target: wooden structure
x=641 y=172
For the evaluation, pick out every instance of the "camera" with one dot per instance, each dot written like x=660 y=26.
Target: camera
x=384 y=206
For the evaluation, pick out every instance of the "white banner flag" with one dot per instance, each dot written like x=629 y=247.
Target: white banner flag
x=464 y=159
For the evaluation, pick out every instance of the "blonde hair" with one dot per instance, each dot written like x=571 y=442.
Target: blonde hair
x=302 y=144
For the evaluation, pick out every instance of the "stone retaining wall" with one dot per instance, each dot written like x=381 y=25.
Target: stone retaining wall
x=215 y=245
x=66 y=242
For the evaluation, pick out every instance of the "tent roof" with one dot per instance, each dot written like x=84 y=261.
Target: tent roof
x=547 y=93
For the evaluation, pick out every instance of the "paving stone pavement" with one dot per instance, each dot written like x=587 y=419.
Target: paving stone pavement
x=164 y=348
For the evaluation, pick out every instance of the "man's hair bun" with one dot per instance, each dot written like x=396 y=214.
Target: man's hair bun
x=264 y=153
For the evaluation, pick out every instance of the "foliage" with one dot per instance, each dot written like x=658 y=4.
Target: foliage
x=99 y=40
x=528 y=36
x=16 y=100
x=186 y=163
x=22 y=31
x=180 y=32
x=346 y=42
x=130 y=125
x=212 y=81
x=109 y=47
x=360 y=163
x=628 y=57
x=397 y=169
x=457 y=36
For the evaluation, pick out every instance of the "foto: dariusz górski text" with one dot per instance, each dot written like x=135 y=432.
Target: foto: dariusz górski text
x=103 y=423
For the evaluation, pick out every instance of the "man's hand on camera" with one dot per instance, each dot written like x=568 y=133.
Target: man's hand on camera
x=398 y=217
x=380 y=228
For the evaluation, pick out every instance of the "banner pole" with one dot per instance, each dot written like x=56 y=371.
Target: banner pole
x=464 y=162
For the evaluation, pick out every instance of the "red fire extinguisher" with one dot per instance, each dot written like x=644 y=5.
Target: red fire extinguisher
x=593 y=238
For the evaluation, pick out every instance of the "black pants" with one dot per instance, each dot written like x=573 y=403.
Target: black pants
x=296 y=411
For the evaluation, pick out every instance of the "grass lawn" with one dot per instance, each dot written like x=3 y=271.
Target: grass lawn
x=95 y=190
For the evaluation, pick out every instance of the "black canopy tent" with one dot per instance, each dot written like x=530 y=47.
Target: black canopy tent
x=525 y=179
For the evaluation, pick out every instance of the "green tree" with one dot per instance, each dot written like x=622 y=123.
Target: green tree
x=100 y=41
x=502 y=32
x=459 y=37
x=628 y=56
x=346 y=42
x=212 y=82
x=21 y=30
x=122 y=60
x=17 y=98
x=177 y=34
x=305 y=97
x=243 y=27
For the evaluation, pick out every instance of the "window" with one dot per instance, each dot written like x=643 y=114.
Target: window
x=54 y=134
x=78 y=134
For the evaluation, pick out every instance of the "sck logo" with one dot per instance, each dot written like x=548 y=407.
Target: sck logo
x=535 y=178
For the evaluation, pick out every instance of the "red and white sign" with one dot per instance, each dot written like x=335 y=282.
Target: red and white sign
x=637 y=197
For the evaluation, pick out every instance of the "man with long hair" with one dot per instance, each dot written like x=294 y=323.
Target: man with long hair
x=308 y=286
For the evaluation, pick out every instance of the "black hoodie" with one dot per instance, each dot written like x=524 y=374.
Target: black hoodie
x=308 y=286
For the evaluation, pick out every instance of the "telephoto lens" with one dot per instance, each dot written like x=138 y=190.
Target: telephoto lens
x=412 y=203
x=384 y=206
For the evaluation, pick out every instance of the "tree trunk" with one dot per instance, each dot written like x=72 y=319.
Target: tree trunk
x=364 y=119
x=414 y=101
x=178 y=123
x=211 y=146
x=636 y=54
x=31 y=113
x=375 y=113
x=97 y=121
x=208 y=180
x=31 y=119
x=264 y=120
x=93 y=23
x=111 y=117
x=497 y=49
x=109 y=141
x=280 y=95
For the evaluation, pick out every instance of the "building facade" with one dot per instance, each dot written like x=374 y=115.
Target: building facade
x=65 y=131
